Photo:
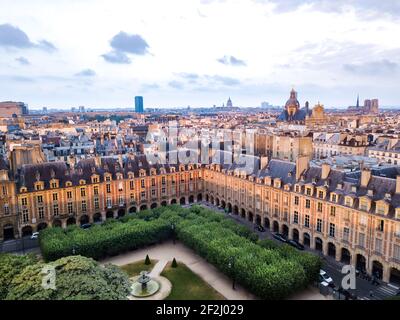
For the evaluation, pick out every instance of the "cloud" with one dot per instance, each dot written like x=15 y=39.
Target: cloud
x=231 y=61
x=14 y=37
x=150 y=86
x=176 y=84
x=86 y=73
x=373 y=68
x=226 y=81
x=127 y=43
x=116 y=57
x=23 y=61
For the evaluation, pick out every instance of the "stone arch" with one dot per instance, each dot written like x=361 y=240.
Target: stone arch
x=109 y=215
x=41 y=226
x=345 y=256
x=235 y=210
x=97 y=217
x=394 y=276
x=84 y=219
x=361 y=262
x=27 y=231
x=266 y=223
x=306 y=239
x=153 y=205
x=295 y=234
x=229 y=206
x=71 y=221
x=223 y=204
x=217 y=203
x=377 y=269
x=331 y=250
x=182 y=201
x=207 y=198
x=121 y=213
x=57 y=223
x=173 y=201
x=285 y=230
x=8 y=232
x=143 y=207
x=191 y=199
x=132 y=210
x=319 y=244
x=258 y=219
x=250 y=216
x=212 y=200
x=199 y=197
x=275 y=226
x=164 y=203
x=243 y=213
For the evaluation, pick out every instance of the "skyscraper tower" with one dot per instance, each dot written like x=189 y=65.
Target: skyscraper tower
x=139 y=104
x=358 y=101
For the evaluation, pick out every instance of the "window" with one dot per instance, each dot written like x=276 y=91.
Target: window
x=348 y=202
x=69 y=194
x=396 y=252
x=108 y=178
x=4 y=191
x=380 y=210
x=95 y=180
x=319 y=206
x=163 y=190
x=6 y=209
x=346 y=234
x=96 y=190
x=41 y=212
x=307 y=221
x=83 y=192
x=361 y=240
x=162 y=180
x=381 y=225
x=296 y=217
x=363 y=205
x=24 y=201
x=54 y=185
x=131 y=185
x=308 y=203
x=132 y=197
x=321 y=194
x=332 y=230
x=108 y=188
x=83 y=206
x=333 y=211
x=296 y=200
x=96 y=203
x=143 y=194
x=39 y=199
x=25 y=216
x=55 y=196
x=308 y=191
x=142 y=184
x=319 y=225
x=363 y=220
x=153 y=182
x=109 y=203
x=70 y=208
x=55 y=210
x=333 y=197
x=153 y=192
x=378 y=245
x=121 y=200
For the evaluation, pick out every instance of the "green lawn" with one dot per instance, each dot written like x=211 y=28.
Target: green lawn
x=186 y=285
x=133 y=269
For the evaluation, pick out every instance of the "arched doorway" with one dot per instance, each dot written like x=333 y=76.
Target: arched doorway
x=8 y=232
x=395 y=276
x=295 y=234
x=132 y=210
x=109 y=215
x=212 y=200
x=191 y=199
x=258 y=219
x=153 y=205
x=173 y=201
x=250 y=216
x=143 y=207
x=275 y=227
x=345 y=256
x=217 y=202
x=285 y=230
x=199 y=197
x=84 y=219
x=121 y=213
x=97 y=217
x=361 y=262
x=377 y=269
x=41 y=226
x=331 y=250
x=182 y=201
x=318 y=244
x=243 y=213
x=306 y=240
x=223 y=204
x=235 y=210
x=27 y=231
x=57 y=223
x=229 y=207
x=207 y=198
x=164 y=204
x=266 y=223
x=71 y=221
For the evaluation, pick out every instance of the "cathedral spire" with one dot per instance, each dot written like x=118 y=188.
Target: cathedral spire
x=358 y=101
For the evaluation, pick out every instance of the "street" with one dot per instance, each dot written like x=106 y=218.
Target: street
x=20 y=246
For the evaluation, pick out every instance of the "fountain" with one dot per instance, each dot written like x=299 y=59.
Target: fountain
x=144 y=286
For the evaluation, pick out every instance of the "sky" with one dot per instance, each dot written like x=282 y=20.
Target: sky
x=176 y=53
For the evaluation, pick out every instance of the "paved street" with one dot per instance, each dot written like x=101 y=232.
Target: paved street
x=331 y=266
x=20 y=246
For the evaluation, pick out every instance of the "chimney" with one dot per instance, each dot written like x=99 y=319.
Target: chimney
x=302 y=164
x=97 y=161
x=263 y=162
x=398 y=185
x=326 y=168
x=72 y=161
x=365 y=177
x=120 y=161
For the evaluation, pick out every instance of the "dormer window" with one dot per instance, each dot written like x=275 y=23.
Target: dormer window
x=354 y=189
x=297 y=188
x=370 y=193
x=309 y=191
x=364 y=205
x=334 y=197
x=81 y=182
x=348 y=201
x=340 y=186
x=68 y=184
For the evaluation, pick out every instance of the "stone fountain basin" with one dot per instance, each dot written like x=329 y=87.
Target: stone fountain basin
x=163 y=291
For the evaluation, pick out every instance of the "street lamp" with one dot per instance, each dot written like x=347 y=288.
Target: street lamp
x=173 y=232
x=230 y=266
x=73 y=250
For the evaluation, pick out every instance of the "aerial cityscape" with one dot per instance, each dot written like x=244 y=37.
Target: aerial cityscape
x=185 y=154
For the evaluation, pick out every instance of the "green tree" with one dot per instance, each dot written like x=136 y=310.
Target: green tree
x=147 y=261
x=174 y=263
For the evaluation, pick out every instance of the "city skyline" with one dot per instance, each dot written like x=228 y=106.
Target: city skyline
x=159 y=54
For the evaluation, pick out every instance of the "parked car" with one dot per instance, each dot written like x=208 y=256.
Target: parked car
x=35 y=236
x=280 y=237
x=86 y=226
x=260 y=228
x=296 y=244
x=323 y=276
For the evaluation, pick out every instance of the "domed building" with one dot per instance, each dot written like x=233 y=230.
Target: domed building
x=293 y=112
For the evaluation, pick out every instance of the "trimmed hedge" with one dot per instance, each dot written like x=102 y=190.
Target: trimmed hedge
x=101 y=241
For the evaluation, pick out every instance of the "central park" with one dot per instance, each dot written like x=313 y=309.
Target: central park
x=182 y=253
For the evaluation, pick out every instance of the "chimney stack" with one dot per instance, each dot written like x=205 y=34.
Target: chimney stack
x=365 y=177
x=398 y=185
x=263 y=162
x=302 y=164
x=326 y=169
